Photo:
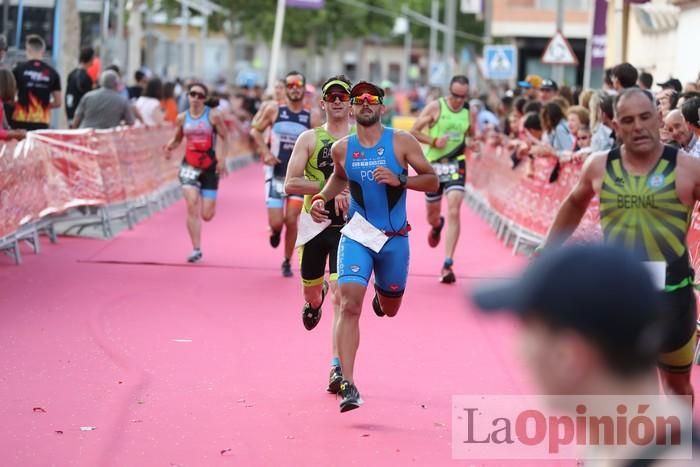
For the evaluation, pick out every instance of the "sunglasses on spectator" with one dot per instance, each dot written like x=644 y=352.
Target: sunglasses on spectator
x=197 y=95
x=584 y=137
x=294 y=83
x=332 y=96
x=370 y=98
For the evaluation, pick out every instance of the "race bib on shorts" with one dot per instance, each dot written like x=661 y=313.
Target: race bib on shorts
x=189 y=174
x=446 y=171
x=276 y=188
x=360 y=230
x=657 y=270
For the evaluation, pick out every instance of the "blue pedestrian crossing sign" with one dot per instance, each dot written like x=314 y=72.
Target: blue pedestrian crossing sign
x=501 y=61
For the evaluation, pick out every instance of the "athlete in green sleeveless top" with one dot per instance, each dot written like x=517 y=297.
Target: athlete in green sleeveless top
x=309 y=168
x=647 y=193
x=448 y=124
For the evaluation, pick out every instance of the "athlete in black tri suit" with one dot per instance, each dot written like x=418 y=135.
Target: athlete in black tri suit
x=286 y=123
x=205 y=133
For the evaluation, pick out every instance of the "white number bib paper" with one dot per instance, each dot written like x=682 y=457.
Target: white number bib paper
x=360 y=230
x=657 y=269
x=308 y=228
x=189 y=173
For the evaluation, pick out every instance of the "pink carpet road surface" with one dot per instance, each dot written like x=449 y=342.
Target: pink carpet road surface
x=118 y=353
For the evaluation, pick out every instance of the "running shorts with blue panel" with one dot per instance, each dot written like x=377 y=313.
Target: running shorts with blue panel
x=356 y=263
x=205 y=180
x=274 y=191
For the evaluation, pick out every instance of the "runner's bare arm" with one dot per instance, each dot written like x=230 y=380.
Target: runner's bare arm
x=296 y=183
x=177 y=137
x=256 y=132
x=425 y=180
x=217 y=121
x=425 y=120
x=688 y=179
x=575 y=205
x=336 y=183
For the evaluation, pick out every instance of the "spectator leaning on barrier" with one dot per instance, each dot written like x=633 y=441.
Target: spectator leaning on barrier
x=601 y=112
x=691 y=114
x=104 y=107
x=38 y=88
x=79 y=82
x=8 y=88
x=559 y=140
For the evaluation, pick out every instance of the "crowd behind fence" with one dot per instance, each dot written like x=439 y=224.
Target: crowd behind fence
x=120 y=173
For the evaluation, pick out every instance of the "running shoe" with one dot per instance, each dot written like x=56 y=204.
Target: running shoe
x=275 y=239
x=434 y=235
x=334 y=380
x=311 y=316
x=287 y=268
x=351 y=396
x=377 y=307
x=448 y=276
x=196 y=256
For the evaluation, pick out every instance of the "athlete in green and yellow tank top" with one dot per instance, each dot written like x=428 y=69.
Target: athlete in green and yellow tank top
x=319 y=168
x=309 y=169
x=647 y=193
x=448 y=124
x=644 y=214
x=451 y=125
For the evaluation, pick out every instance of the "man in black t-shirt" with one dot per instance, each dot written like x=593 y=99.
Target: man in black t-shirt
x=38 y=88
x=79 y=82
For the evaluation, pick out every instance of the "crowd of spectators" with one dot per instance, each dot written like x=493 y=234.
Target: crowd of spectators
x=537 y=118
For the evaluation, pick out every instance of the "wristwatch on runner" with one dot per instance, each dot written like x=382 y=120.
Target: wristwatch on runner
x=403 y=180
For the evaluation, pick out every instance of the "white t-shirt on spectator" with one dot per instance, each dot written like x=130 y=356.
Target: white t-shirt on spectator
x=150 y=110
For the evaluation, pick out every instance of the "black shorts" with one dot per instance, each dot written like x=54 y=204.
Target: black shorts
x=313 y=257
x=207 y=180
x=452 y=174
x=679 y=346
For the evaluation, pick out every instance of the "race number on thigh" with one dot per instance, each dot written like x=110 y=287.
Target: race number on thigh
x=276 y=188
x=189 y=175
